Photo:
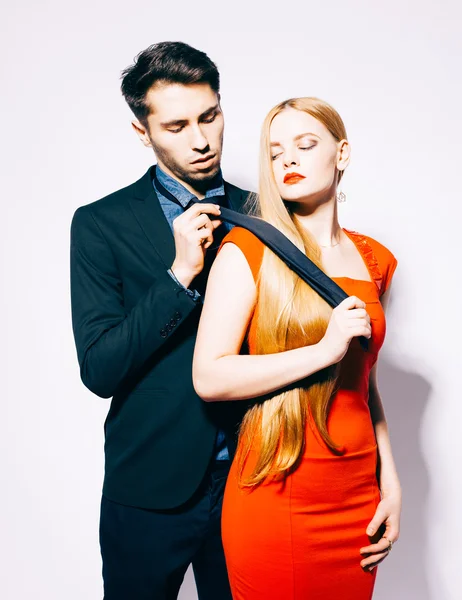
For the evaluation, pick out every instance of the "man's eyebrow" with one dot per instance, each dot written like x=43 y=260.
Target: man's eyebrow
x=209 y=110
x=175 y=123
x=179 y=122
x=296 y=138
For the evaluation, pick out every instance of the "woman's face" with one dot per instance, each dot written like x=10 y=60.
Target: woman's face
x=305 y=157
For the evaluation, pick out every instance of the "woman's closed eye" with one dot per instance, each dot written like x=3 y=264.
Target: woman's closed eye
x=305 y=148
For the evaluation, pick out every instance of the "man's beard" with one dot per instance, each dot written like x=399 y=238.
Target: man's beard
x=199 y=181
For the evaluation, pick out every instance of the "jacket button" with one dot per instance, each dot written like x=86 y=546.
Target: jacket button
x=172 y=322
x=177 y=316
x=163 y=333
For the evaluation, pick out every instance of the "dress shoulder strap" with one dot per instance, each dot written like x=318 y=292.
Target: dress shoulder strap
x=365 y=248
x=250 y=245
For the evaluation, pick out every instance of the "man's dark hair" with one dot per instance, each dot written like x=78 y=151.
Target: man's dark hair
x=166 y=62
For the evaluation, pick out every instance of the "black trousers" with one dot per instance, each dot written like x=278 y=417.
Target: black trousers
x=146 y=552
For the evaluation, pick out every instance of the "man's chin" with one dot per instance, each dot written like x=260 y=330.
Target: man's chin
x=207 y=174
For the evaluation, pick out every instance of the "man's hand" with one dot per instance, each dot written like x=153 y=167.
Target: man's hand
x=193 y=232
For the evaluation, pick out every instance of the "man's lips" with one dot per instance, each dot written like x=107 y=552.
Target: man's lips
x=203 y=159
x=293 y=178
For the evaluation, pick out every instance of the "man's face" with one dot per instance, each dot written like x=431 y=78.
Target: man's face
x=185 y=130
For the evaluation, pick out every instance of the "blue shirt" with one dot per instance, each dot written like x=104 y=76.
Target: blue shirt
x=172 y=211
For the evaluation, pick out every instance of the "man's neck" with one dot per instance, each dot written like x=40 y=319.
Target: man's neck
x=198 y=190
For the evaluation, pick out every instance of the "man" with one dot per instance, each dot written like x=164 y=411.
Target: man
x=139 y=264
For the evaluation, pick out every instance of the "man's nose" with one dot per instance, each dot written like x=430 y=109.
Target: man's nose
x=199 y=142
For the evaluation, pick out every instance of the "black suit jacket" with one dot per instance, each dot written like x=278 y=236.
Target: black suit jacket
x=135 y=330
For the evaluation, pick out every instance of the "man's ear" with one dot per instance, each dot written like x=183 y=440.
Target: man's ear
x=142 y=133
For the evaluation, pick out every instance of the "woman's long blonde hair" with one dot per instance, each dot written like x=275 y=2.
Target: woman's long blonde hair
x=290 y=314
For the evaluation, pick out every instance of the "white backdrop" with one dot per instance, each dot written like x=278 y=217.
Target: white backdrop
x=393 y=72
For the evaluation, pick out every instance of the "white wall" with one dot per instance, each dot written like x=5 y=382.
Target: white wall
x=393 y=72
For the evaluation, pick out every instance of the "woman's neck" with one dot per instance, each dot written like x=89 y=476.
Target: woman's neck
x=322 y=223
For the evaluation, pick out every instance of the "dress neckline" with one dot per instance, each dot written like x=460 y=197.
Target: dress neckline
x=367 y=254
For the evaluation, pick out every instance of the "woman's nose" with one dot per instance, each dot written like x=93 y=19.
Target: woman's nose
x=290 y=159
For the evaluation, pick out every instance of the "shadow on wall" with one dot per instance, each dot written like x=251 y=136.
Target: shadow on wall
x=403 y=576
x=188 y=589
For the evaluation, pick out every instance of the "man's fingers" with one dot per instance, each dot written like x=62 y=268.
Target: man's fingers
x=204 y=221
x=198 y=222
x=199 y=208
x=183 y=221
x=204 y=233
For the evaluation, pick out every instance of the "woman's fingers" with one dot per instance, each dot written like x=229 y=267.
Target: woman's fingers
x=351 y=302
x=371 y=562
x=380 y=546
x=358 y=323
x=358 y=313
x=381 y=515
x=375 y=553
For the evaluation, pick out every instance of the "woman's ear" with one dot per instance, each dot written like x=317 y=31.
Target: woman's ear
x=343 y=155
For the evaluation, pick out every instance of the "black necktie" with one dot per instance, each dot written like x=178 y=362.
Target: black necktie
x=287 y=251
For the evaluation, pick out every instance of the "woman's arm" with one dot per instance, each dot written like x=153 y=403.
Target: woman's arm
x=389 y=509
x=388 y=478
x=389 y=481
x=219 y=372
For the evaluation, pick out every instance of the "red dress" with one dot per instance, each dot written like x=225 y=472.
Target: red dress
x=301 y=540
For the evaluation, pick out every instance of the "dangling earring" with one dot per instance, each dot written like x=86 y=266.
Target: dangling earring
x=340 y=196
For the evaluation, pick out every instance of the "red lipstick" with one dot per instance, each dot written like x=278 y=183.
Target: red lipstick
x=292 y=178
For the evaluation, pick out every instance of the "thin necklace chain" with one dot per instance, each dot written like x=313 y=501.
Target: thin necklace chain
x=333 y=245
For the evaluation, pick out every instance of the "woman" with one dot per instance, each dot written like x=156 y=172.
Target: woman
x=309 y=510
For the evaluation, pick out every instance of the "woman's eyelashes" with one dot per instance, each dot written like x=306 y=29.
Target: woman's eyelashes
x=307 y=147
x=304 y=148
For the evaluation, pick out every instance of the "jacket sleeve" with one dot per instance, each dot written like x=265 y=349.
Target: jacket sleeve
x=113 y=343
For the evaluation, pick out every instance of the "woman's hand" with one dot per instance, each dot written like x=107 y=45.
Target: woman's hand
x=388 y=514
x=348 y=320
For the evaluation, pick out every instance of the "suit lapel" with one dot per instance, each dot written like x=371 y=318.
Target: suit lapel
x=236 y=197
x=150 y=216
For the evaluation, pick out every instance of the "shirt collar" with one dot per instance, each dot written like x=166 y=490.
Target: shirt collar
x=184 y=196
